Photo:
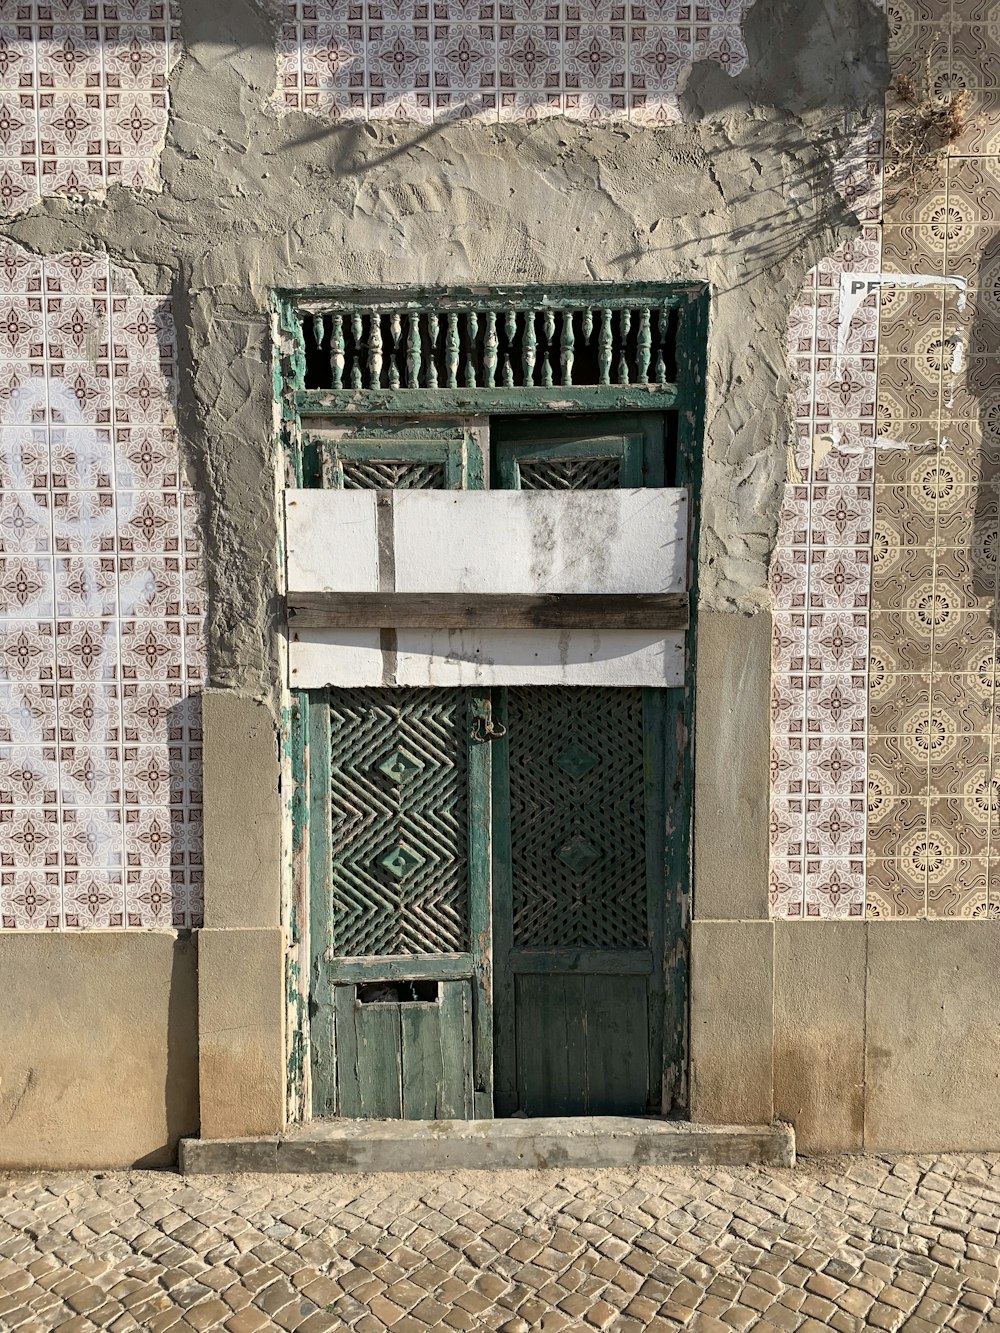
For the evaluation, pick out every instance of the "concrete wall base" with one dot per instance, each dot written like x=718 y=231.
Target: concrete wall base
x=98 y=1048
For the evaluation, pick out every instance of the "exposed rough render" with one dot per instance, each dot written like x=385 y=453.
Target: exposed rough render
x=83 y=97
x=740 y=196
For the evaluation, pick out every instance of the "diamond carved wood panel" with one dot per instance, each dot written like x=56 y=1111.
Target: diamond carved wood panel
x=399 y=808
x=578 y=838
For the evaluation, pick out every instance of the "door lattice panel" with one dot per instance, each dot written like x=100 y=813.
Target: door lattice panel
x=399 y=795
x=577 y=798
x=391 y=475
x=569 y=474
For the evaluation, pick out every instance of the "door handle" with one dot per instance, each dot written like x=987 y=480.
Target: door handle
x=483 y=726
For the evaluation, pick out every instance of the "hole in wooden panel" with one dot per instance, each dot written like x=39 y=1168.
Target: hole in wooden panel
x=397 y=992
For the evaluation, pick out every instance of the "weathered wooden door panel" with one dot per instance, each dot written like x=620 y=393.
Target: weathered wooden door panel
x=401 y=1057
x=581 y=1044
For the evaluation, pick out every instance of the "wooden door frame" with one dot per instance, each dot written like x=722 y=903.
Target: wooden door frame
x=687 y=398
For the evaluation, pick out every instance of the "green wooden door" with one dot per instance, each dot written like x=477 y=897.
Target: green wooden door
x=487 y=901
x=579 y=838
x=399 y=862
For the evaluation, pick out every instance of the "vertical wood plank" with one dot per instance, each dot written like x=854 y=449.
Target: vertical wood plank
x=456 y=1100
x=348 y=1099
x=322 y=1026
x=692 y=346
x=505 y=1098
x=617 y=1045
x=654 y=716
x=480 y=761
x=551 y=1044
x=423 y=1034
x=379 y=1059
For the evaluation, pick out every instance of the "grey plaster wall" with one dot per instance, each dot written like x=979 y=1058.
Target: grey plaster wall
x=739 y=196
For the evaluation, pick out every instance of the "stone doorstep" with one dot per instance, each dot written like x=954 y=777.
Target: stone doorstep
x=346 y=1146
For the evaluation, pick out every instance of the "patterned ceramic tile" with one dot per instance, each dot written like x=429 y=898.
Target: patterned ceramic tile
x=101 y=608
x=83 y=98
x=495 y=59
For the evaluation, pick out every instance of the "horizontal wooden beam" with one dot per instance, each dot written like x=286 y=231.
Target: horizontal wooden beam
x=482 y=401
x=400 y=967
x=458 y=610
x=599 y=962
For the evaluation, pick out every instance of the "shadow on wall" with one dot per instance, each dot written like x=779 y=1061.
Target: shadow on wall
x=977 y=439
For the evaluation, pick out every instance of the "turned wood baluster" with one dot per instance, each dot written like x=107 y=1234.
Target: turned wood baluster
x=337 y=351
x=660 y=369
x=395 y=332
x=605 y=339
x=375 y=350
x=566 y=347
x=529 y=347
x=643 y=347
x=624 y=324
x=432 y=337
x=490 y=344
x=451 y=345
x=549 y=328
x=413 y=351
x=357 y=333
x=472 y=328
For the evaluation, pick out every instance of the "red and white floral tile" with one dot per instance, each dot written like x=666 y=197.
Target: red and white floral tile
x=83 y=97
x=102 y=652
x=821 y=573
x=499 y=59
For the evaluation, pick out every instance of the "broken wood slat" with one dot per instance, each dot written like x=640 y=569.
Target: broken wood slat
x=455 y=610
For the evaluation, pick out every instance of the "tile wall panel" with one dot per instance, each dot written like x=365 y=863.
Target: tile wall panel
x=437 y=60
x=885 y=587
x=821 y=576
x=101 y=606
x=83 y=96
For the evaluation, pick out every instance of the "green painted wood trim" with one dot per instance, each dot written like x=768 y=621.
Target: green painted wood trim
x=504 y=1015
x=313 y=403
x=404 y=298
x=604 y=962
x=296 y=903
x=315 y=705
x=654 y=712
x=480 y=768
x=692 y=366
x=399 y=967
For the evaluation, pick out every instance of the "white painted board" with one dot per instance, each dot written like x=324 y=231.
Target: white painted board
x=319 y=657
x=521 y=542
x=330 y=547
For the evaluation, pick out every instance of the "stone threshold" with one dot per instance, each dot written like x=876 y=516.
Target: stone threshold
x=347 y=1146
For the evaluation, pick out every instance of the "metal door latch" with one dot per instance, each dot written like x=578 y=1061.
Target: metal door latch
x=483 y=726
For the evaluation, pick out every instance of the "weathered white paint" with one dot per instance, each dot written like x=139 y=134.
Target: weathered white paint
x=615 y=541
x=331 y=548
x=321 y=657
x=625 y=541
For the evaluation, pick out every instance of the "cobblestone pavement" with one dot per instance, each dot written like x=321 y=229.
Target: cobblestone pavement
x=855 y=1244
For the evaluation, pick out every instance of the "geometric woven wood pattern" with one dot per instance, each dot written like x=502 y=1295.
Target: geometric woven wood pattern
x=578 y=837
x=390 y=475
x=399 y=795
x=569 y=474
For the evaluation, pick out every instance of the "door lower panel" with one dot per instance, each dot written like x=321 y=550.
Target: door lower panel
x=582 y=1044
